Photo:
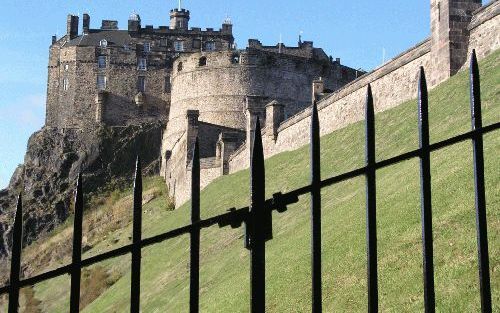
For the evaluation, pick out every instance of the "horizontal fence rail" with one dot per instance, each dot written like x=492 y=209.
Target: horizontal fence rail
x=257 y=217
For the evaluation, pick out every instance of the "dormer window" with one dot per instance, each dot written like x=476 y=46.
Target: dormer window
x=210 y=46
x=142 y=64
x=147 y=47
x=179 y=46
x=103 y=43
x=101 y=61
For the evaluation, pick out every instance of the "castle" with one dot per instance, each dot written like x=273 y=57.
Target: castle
x=200 y=85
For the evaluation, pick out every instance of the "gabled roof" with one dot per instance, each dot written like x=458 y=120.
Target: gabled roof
x=113 y=37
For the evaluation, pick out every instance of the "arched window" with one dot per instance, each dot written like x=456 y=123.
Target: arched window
x=202 y=61
x=179 y=67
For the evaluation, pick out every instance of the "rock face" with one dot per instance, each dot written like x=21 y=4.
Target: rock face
x=53 y=160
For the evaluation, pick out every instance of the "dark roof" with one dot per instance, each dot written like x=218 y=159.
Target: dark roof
x=114 y=37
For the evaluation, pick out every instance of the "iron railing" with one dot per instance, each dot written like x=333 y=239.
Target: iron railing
x=258 y=221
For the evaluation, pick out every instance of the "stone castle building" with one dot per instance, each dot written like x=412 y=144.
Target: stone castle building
x=197 y=83
x=194 y=80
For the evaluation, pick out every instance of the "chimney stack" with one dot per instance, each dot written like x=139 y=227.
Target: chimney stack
x=86 y=23
x=72 y=26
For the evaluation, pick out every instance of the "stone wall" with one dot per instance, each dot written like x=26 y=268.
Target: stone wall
x=484 y=30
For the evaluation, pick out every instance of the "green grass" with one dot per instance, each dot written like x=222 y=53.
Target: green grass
x=225 y=262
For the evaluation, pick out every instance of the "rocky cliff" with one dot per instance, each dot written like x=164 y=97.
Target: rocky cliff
x=53 y=160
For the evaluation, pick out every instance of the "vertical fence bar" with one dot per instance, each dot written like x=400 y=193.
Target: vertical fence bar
x=315 y=212
x=371 y=205
x=77 y=249
x=136 y=241
x=257 y=224
x=425 y=194
x=195 y=232
x=480 y=194
x=15 y=262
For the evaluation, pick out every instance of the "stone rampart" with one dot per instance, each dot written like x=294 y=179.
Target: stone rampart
x=484 y=34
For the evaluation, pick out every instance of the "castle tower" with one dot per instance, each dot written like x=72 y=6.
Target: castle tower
x=179 y=19
x=449 y=36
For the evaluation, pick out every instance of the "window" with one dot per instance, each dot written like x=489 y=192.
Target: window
x=65 y=84
x=235 y=59
x=101 y=61
x=147 y=47
x=179 y=67
x=103 y=43
x=197 y=44
x=141 y=84
x=179 y=45
x=66 y=67
x=163 y=42
x=101 y=82
x=142 y=64
x=167 y=87
x=210 y=46
x=180 y=24
x=126 y=48
x=202 y=61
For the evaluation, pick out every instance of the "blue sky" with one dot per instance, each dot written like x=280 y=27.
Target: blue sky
x=357 y=31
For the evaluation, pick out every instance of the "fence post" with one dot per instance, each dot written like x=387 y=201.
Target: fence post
x=77 y=248
x=371 y=205
x=480 y=196
x=315 y=211
x=425 y=194
x=194 y=278
x=259 y=224
x=136 y=241
x=15 y=262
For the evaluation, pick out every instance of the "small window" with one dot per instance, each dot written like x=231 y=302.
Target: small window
x=196 y=44
x=66 y=67
x=65 y=84
x=167 y=87
x=101 y=61
x=179 y=67
x=210 y=46
x=126 y=48
x=202 y=61
x=163 y=42
x=101 y=82
x=180 y=24
x=141 y=84
x=147 y=47
x=179 y=46
x=103 y=43
x=235 y=59
x=142 y=64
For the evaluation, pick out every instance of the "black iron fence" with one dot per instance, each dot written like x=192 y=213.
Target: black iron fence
x=258 y=220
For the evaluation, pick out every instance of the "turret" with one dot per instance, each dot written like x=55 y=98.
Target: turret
x=227 y=26
x=179 y=19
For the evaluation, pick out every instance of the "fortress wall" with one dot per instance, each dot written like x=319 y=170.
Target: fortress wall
x=240 y=159
x=392 y=84
x=177 y=178
x=484 y=34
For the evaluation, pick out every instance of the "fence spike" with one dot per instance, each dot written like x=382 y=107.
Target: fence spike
x=315 y=211
x=425 y=194
x=259 y=224
x=136 y=240
x=480 y=195
x=371 y=205
x=15 y=262
x=195 y=233
x=77 y=248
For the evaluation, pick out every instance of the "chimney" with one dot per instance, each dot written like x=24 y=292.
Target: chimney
x=54 y=39
x=72 y=26
x=86 y=23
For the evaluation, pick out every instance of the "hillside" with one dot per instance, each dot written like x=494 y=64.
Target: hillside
x=225 y=263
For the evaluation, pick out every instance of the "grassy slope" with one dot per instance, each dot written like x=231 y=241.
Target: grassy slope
x=225 y=263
